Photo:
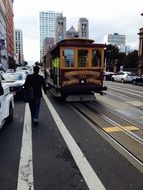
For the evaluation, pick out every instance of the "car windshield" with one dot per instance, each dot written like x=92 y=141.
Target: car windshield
x=13 y=76
x=131 y=74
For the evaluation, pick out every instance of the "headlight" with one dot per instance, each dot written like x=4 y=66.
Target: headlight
x=82 y=81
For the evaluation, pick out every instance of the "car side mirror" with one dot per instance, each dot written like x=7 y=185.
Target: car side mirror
x=1 y=91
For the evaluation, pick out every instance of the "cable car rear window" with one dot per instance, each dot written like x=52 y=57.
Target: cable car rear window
x=68 y=57
x=82 y=58
x=96 y=58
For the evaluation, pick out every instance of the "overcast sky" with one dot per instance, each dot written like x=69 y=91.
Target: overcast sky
x=105 y=17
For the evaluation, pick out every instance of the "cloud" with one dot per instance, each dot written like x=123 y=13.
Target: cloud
x=105 y=17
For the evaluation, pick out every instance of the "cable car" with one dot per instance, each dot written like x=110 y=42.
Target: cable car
x=74 y=69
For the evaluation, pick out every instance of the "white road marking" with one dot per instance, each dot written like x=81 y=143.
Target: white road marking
x=25 y=174
x=92 y=180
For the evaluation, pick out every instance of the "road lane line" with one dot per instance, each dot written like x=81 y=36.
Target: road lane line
x=25 y=174
x=92 y=180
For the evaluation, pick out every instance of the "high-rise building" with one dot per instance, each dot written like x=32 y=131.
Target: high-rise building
x=119 y=40
x=47 y=44
x=71 y=32
x=3 y=39
x=19 y=46
x=7 y=33
x=115 y=39
x=60 y=30
x=47 y=27
x=83 y=28
x=10 y=29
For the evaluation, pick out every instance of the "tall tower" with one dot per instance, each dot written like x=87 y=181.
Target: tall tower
x=19 y=46
x=60 y=30
x=83 y=28
x=47 y=27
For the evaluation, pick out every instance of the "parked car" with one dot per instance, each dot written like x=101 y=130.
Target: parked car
x=123 y=76
x=15 y=81
x=107 y=75
x=6 y=104
x=138 y=80
x=25 y=69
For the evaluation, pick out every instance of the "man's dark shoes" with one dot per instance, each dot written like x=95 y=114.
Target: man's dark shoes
x=35 y=122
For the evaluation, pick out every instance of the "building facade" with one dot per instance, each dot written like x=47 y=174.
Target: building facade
x=140 y=52
x=83 y=28
x=71 y=32
x=18 y=46
x=10 y=27
x=7 y=33
x=47 y=44
x=140 y=42
x=3 y=39
x=47 y=21
x=60 y=30
x=119 y=40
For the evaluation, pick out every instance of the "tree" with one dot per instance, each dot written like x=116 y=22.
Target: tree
x=111 y=54
x=131 y=60
x=114 y=57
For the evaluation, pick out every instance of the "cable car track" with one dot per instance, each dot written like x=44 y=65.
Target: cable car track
x=122 y=116
x=124 y=139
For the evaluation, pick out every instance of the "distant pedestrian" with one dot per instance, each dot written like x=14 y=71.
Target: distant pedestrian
x=1 y=89
x=36 y=82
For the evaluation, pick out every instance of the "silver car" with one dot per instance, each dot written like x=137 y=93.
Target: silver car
x=124 y=76
x=15 y=81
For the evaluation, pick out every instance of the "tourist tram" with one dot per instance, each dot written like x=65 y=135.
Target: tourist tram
x=74 y=69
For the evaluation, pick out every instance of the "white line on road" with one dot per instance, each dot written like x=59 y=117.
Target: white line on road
x=86 y=170
x=25 y=174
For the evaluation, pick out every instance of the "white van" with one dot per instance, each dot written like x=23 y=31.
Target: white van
x=6 y=104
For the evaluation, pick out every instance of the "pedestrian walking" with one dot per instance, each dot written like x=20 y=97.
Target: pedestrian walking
x=35 y=82
x=1 y=89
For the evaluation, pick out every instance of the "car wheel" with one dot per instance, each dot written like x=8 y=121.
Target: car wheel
x=122 y=80
x=10 y=117
x=112 y=79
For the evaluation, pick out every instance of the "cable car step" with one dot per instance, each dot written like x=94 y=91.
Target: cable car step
x=72 y=98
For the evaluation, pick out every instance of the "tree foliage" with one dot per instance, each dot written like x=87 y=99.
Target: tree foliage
x=113 y=56
x=131 y=60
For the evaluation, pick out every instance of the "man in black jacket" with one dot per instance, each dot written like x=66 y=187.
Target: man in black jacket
x=1 y=89
x=36 y=82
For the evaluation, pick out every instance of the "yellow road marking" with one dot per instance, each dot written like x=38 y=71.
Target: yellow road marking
x=116 y=129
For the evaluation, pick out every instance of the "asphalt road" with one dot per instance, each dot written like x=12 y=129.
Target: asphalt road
x=62 y=153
